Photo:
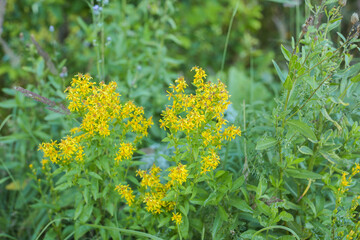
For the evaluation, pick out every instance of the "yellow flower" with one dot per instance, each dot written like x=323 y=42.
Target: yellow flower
x=178 y=174
x=231 y=132
x=153 y=202
x=126 y=192
x=210 y=162
x=176 y=217
x=125 y=152
x=151 y=179
x=344 y=182
x=50 y=151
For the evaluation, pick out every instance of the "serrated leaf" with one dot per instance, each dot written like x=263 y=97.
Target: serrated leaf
x=303 y=129
x=266 y=143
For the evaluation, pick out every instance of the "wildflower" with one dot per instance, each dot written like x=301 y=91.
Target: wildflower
x=151 y=179
x=50 y=151
x=126 y=192
x=153 y=202
x=97 y=9
x=176 y=218
x=344 y=182
x=51 y=28
x=210 y=162
x=231 y=132
x=342 y=3
x=199 y=75
x=178 y=174
x=125 y=152
x=354 y=18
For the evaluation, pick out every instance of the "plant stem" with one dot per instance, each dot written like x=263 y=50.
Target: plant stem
x=228 y=36
x=307 y=100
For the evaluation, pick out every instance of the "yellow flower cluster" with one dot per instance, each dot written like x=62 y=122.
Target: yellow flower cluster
x=153 y=198
x=64 y=152
x=345 y=181
x=102 y=114
x=176 y=217
x=200 y=115
x=210 y=162
x=100 y=105
x=178 y=174
x=125 y=152
x=151 y=179
x=126 y=192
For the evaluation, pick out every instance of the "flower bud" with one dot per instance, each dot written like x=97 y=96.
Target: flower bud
x=354 y=18
x=342 y=3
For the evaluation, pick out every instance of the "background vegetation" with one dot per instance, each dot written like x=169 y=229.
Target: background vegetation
x=144 y=46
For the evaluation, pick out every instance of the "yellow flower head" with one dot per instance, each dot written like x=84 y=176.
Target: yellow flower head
x=178 y=174
x=151 y=179
x=126 y=192
x=210 y=162
x=125 y=152
x=176 y=217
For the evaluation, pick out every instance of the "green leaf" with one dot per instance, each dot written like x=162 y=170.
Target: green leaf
x=94 y=188
x=164 y=221
x=302 y=174
x=80 y=230
x=330 y=156
x=184 y=227
x=223 y=214
x=211 y=197
x=303 y=129
x=285 y=52
x=216 y=225
x=355 y=79
x=4 y=179
x=279 y=72
x=305 y=150
x=266 y=143
x=288 y=84
x=238 y=183
x=285 y=216
x=62 y=187
x=110 y=206
x=78 y=210
x=170 y=196
x=240 y=204
x=95 y=175
x=86 y=213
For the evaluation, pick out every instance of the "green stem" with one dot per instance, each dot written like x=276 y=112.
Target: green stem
x=228 y=36
x=307 y=100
